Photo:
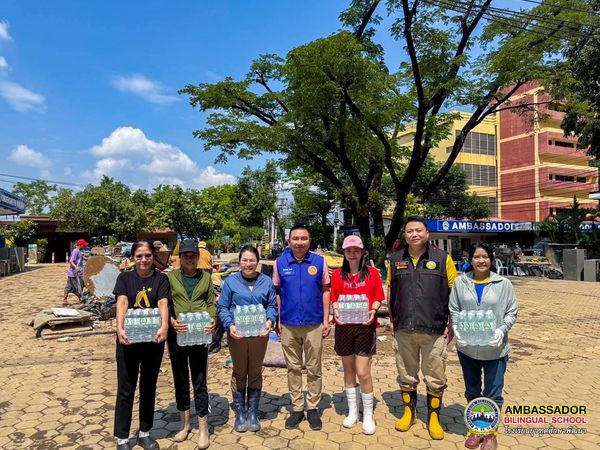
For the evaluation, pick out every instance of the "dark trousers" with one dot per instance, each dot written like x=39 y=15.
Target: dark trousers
x=247 y=355
x=194 y=359
x=141 y=359
x=493 y=377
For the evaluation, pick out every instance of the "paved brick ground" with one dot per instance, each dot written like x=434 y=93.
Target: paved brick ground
x=61 y=394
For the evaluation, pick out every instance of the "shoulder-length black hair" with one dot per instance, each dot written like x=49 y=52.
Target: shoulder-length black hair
x=488 y=249
x=363 y=268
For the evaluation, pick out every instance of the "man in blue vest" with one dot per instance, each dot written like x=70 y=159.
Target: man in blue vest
x=302 y=282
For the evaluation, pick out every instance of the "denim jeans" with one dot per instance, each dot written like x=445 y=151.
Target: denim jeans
x=493 y=377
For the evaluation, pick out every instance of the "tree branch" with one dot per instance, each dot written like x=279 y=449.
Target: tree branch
x=358 y=33
x=263 y=82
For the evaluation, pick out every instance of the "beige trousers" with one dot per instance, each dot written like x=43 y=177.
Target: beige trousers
x=297 y=341
x=419 y=350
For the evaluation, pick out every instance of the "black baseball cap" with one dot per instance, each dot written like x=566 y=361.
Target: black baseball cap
x=189 y=245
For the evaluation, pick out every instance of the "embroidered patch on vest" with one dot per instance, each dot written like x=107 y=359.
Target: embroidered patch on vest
x=431 y=265
x=312 y=270
x=402 y=265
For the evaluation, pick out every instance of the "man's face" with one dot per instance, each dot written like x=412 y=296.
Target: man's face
x=189 y=261
x=299 y=240
x=416 y=235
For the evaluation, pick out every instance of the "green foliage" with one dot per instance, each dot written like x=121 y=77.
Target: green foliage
x=255 y=197
x=104 y=210
x=36 y=195
x=19 y=233
x=311 y=207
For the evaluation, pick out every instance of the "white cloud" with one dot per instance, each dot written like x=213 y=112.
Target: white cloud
x=3 y=63
x=4 y=30
x=141 y=86
x=68 y=171
x=127 y=154
x=21 y=99
x=25 y=156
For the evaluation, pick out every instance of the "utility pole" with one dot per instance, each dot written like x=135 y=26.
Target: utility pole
x=336 y=223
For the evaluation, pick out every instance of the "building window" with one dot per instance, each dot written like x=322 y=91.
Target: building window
x=567 y=178
x=493 y=202
x=479 y=175
x=556 y=143
x=478 y=144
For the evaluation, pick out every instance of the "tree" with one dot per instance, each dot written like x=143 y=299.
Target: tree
x=255 y=197
x=109 y=209
x=176 y=208
x=36 y=195
x=312 y=207
x=19 y=233
x=333 y=107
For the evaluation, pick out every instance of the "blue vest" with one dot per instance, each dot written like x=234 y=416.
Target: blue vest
x=301 y=289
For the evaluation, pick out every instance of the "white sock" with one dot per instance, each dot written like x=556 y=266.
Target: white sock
x=122 y=441
x=144 y=433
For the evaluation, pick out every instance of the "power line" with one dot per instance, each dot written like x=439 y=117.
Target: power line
x=569 y=8
x=64 y=183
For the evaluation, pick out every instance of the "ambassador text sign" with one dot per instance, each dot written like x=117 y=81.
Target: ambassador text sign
x=469 y=226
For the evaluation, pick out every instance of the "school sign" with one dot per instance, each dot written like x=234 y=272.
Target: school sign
x=476 y=226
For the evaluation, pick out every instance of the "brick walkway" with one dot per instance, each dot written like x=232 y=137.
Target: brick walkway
x=61 y=394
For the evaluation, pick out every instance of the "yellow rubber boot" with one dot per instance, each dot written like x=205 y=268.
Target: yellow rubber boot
x=434 y=403
x=410 y=411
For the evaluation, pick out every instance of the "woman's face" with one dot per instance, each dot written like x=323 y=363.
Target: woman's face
x=353 y=254
x=481 y=262
x=248 y=263
x=143 y=258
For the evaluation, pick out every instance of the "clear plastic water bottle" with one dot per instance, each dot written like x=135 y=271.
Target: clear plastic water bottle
x=341 y=307
x=471 y=316
x=364 y=300
x=263 y=318
x=490 y=326
x=246 y=320
x=480 y=319
x=237 y=318
x=252 y=320
x=460 y=325
x=206 y=319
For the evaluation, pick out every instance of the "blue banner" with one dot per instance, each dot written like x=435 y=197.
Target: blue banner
x=10 y=203
x=471 y=226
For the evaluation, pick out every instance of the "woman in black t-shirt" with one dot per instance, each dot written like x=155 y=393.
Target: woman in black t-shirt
x=143 y=287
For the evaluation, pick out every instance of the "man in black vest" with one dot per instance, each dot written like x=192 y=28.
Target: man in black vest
x=420 y=278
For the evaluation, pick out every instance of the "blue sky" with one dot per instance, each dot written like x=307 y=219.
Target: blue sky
x=88 y=88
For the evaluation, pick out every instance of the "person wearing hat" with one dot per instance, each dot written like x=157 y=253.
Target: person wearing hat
x=75 y=281
x=159 y=256
x=419 y=281
x=192 y=291
x=356 y=343
x=205 y=260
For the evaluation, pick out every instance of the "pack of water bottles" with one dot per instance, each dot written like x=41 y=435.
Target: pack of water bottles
x=353 y=308
x=195 y=334
x=250 y=320
x=141 y=325
x=476 y=327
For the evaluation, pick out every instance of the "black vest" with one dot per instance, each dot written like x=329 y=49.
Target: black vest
x=419 y=295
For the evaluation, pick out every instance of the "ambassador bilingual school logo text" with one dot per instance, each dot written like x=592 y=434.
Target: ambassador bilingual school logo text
x=482 y=416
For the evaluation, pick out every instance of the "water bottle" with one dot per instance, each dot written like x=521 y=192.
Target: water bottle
x=181 y=336
x=263 y=318
x=252 y=312
x=364 y=308
x=246 y=320
x=157 y=320
x=237 y=318
x=460 y=325
x=471 y=315
x=206 y=319
x=490 y=326
x=480 y=319
x=129 y=324
x=341 y=306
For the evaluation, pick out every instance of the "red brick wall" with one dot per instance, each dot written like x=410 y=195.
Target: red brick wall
x=524 y=212
x=517 y=153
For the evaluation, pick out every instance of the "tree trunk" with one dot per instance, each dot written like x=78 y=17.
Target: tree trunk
x=397 y=222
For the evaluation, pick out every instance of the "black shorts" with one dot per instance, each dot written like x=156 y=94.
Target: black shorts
x=360 y=340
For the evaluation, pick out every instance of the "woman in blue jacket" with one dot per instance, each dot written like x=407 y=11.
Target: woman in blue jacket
x=247 y=287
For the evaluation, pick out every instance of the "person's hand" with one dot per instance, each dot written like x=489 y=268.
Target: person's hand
x=336 y=315
x=123 y=339
x=371 y=317
x=179 y=327
x=268 y=327
x=278 y=329
x=233 y=332
x=161 y=335
x=449 y=333
x=326 y=329
x=459 y=341
x=498 y=338
x=208 y=329
x=390 y=327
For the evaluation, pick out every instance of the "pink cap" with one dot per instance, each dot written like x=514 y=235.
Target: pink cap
x=352 y=241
